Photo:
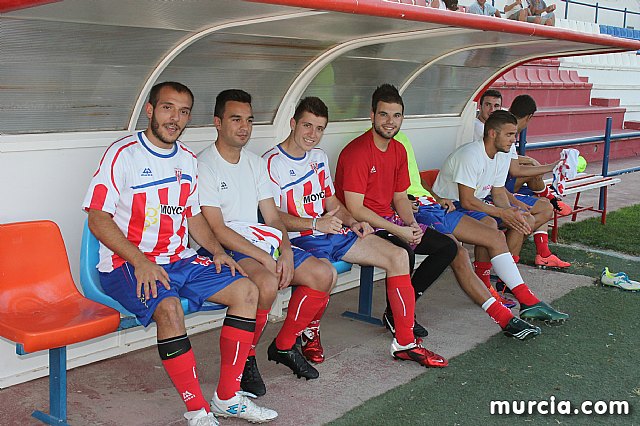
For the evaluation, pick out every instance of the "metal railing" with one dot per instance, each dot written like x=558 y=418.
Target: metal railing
x=606 y=138
x=597 y=8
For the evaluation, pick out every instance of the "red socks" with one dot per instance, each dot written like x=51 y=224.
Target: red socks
x=524 y=295
x=261 y=322
x=303 y=307
x=541 y=239
x=545 y=193
x=182 y=371
x=498 y=312
x=234 y=348
x=403 y=303
x=483 y=271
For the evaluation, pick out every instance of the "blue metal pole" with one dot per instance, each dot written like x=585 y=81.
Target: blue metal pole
x=566 y=9
x=605 y=159
x=522 y=146
x=624 y=20
x=596 y=12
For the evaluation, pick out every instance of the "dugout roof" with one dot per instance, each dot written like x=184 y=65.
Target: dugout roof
x=78 y=65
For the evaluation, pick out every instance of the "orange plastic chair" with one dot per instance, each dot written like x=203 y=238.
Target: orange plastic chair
x=429 y=176
x=40 y=306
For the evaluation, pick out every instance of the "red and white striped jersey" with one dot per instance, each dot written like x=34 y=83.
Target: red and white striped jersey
x=150 y=192
x=302 y=183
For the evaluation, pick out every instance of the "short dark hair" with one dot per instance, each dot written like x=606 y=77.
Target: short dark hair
x=228 y=95
x=313 y=105
x=451 y=4
x=178 y=87
x=491 y=93
x=386 y=93
x=522 y=106
x=497 y=119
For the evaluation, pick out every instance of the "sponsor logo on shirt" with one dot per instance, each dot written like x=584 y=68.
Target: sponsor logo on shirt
x=146 y=172
x=313 y=197
x=373 y=169
x=223 y=185
x=292 y=172
x=168 y=209
x=487 y=187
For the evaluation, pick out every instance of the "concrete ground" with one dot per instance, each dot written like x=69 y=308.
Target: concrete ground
x=133 y=389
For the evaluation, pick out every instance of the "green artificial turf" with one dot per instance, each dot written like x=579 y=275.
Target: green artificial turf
x=594 y=356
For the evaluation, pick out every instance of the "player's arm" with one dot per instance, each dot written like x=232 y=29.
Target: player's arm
x=446 y=203
x=355 y=204
x=518 y=170
x=361 y=228
x=284 y=265
x=229 y=238
x=147 y=272
x=469 y=201
x=512 y=210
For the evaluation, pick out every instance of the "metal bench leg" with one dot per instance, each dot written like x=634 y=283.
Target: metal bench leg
x=365 y=298
x=603 y=197
x=554 y=228
x=57 y=389
x=575 y=207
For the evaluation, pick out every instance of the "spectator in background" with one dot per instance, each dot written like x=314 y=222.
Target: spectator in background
x=536 y=10
x=481 y=7
x=516 y=12
x=451 y=4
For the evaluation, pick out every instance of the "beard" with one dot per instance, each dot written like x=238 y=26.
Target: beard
x=155 y=130
x=384 y=134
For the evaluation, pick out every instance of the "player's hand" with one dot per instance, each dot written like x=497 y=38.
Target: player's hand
x=446 y=204
x=361 y=229
x=551 y=8
x=410 y=234
x=147 y=276
x=224 y=259
x=329 y=224
x=514 y=219
x=284 y=268
x=522 y=206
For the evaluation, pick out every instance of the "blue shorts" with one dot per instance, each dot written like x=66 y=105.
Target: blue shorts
x=527 y=199
x=299 y=255
x=438 y=218
x=328 y=246
x=510 y=184
x=194 y=278
x=471 y=213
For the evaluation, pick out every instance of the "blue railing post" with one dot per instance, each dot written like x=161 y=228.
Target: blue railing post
x=566 y=9
x=522 y=145
x=605 y=159
x=596 y=12
x=624 y=18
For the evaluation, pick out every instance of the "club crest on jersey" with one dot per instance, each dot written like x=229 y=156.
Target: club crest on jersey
x=314 y=166
x=178 y=174
x=146 y=172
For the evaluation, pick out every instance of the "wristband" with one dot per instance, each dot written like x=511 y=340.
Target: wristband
x=313 y=223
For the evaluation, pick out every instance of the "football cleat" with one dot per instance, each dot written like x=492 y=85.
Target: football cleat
x=542 y=312
x=520 y=329
x=563 y=209
x=200 y=418
x=502 y=288
x=251 y=379
x=552 y=261
x=418 y=330
x=293 y=359
x=506 y=302
x=241 y=407
x=416 y=352
x=619 y=280
x=311 y=345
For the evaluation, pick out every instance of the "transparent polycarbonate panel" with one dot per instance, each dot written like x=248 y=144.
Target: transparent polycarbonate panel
x=70 y=77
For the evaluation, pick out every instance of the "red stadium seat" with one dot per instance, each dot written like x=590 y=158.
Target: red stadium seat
x=429 y=176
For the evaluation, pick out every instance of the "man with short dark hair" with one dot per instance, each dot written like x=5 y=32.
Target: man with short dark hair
x=470 y=174
x=142 y=205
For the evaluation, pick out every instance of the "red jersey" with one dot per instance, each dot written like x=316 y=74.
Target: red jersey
x=364 y=169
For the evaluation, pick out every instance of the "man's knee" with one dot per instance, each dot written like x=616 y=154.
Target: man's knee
x=169 y=313
x=489 y=221
x=399 y=257
x=246 y=293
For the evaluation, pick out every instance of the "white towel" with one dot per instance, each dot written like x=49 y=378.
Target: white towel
x=262 y=236
x=566 y=169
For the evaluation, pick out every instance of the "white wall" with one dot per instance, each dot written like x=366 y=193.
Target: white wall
x=45 y=177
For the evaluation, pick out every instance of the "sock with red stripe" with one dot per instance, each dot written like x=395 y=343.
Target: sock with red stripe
x=315 y=322
x=541 y=239
x=235 y=341
x=505 y=266
x=483 y=271
x=261 y=323
x=304 y=304
x=180 y=363
x=497 y=312
x=402 y=302
x=545 y=193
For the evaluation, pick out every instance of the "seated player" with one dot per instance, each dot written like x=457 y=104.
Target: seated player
x=142 y=205
x=372 y=178
x=320 y=224
x=476 y=170
x=233 y=185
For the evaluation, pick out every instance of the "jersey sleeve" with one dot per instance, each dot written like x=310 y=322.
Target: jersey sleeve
x=329 y=188
x=273 y=176
x=402 y=181
x=502 y=170
x=208 y=188
x=354 y=169
x=104 y=190
x=264 y=185
x=465 y=169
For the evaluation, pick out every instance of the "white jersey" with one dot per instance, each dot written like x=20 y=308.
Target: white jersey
x=302 y=183
x=150 y=192
x=478 y=130
x=470 y=166
x=234 y=188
